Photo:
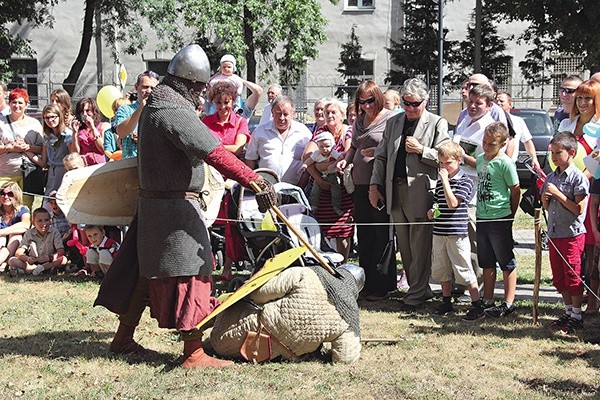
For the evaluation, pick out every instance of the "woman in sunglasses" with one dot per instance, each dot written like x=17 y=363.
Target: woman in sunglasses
x=16 y=219
x=367 y=132
x=404 y=176
x=58 y=142
x=587 y=109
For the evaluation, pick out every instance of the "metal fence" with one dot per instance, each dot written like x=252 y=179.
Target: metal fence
x=304 y=94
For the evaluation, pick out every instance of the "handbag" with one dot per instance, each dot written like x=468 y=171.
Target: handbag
x=33 y=176
x=347 y=179
x=387 y=262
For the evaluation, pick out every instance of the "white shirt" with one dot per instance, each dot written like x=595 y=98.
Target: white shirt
x=469 y=135
x=266 y=115
x=497 y=113
x=282 y=156
x=521 y=133
x=566 y=125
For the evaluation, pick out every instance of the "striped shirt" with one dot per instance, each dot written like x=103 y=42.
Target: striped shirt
x=453 y=221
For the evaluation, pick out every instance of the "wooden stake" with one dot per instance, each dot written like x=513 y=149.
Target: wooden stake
x=537 y=229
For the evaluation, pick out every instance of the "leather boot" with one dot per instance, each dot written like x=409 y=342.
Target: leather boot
x=195 y=357
x=123 y=342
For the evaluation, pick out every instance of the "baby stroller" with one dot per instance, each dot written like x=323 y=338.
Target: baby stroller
x=264 y=236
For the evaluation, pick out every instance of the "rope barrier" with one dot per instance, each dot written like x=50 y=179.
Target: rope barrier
x=367 y=223
x=402 y=224
x=590 y=291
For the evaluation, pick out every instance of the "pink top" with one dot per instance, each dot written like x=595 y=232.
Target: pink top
x=87 y=147
x=227 y=132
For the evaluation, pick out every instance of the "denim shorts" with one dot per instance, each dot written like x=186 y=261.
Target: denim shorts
x=495 y=244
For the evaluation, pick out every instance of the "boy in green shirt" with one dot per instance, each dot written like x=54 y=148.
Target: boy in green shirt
x=498 y=196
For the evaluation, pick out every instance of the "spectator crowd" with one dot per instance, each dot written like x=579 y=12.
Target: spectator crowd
x=446 y=198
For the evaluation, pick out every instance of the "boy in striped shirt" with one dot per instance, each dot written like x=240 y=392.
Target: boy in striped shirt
x=451 y=256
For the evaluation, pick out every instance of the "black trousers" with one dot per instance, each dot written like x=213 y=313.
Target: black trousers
x=372 y=240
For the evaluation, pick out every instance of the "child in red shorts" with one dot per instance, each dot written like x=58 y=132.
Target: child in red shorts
x=564 y=195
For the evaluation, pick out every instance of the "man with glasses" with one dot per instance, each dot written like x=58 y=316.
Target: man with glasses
x=567 y=99
x=407 y=158
x=128 y=115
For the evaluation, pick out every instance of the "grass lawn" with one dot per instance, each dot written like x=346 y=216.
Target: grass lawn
x=54 y=345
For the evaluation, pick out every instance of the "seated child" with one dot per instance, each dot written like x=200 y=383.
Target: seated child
x=325 y=152
x=226 y=72
x=102 y=250
x=60 y=224
x=451 y=248
x=41 y=248
x=59 y=219
x=77 y=237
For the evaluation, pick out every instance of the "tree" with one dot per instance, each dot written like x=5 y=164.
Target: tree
x=35 y=13
x=416 y=54
x=251 y=30
x=556 y=26
x=350 y=66
x=493 y=46
x=121 y=25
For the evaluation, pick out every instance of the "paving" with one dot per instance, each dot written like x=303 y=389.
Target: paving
x=525 y=242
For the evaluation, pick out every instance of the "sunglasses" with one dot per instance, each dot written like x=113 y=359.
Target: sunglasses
x=412 y=103
x=50 y=117
x=370 y=100
x=9 y=194
x=567 y=90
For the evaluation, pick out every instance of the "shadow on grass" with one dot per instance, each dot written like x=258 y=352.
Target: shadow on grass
x=515 y=326
x=592 y=357
x=55 y=278
x=69 y=345
x=562 y=389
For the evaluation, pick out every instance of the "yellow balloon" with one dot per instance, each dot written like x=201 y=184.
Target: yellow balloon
x=577 y=160
x=105 y=99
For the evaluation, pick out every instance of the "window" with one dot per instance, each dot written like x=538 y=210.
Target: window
x=158 y=66
x=565 y=65
x=26 y=75
x=367 y=70
x=358 y=5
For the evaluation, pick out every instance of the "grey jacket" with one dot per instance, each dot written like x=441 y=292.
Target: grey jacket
x=431 y=131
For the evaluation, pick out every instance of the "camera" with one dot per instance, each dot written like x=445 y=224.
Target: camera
x=81 y=118
x=133 y=96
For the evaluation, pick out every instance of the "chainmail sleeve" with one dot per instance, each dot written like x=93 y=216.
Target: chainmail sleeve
x=230 y=166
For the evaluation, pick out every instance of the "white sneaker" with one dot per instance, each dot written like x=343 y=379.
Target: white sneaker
x=38 y=270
